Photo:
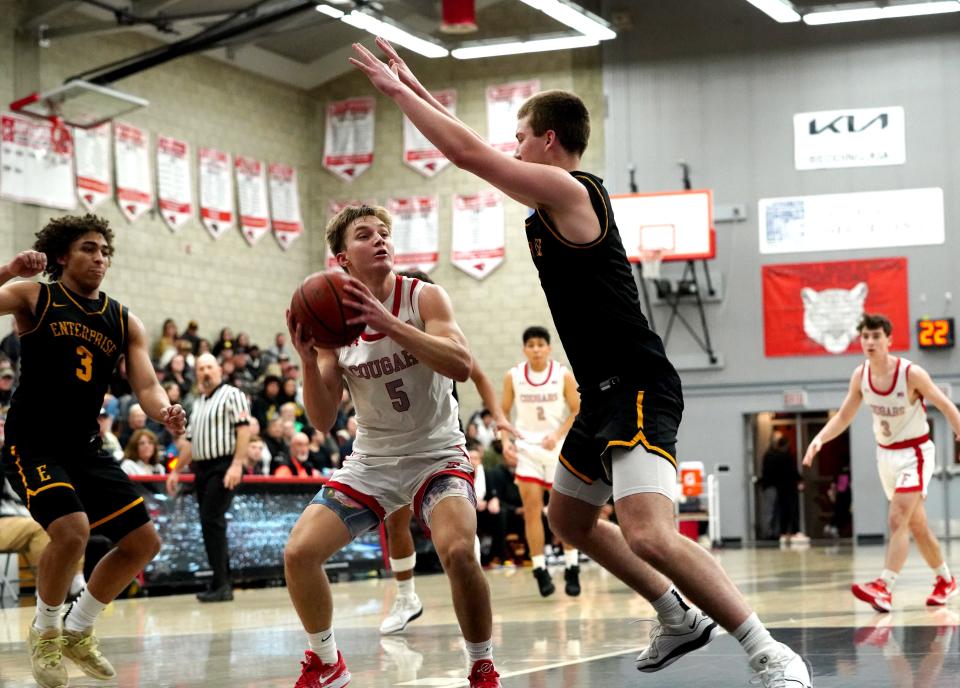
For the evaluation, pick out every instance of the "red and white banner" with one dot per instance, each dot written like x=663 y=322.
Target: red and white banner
x=416 y=232
x=174 y=186
x=131 y=160
x=30 y=170
x=348 y=145
x=91 y=154
x=285 y=204
x=478 y=233
x=418 y=152
x=333 y=208
x=252 y=198
x=812 y=309
x=216 y=191
x=503 y=101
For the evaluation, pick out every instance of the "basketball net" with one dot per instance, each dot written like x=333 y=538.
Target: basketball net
x=60 y=139
x=650 y=264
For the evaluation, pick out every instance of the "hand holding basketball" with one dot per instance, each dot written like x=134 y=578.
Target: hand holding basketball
x=320 y=315
x=367 y=307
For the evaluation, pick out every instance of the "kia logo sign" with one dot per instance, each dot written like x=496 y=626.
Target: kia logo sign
x=848 y=124
x=849 y=138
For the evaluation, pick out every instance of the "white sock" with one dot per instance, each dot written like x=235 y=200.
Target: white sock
x=571 y=557
x=889 y=577
x=77 y=584
x=943 y=571
x=325 y=645
x=670 y=606
x=754 y=637
x=48 y=617
x=406 y=588
x=539 y=561
x=477 y=551
x=84 y=612
x=478 y=651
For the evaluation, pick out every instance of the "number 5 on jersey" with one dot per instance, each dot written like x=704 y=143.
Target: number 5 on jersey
x=401 y=402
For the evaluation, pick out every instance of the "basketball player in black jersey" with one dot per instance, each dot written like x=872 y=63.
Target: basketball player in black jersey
x=624 y=438
x=72 y=336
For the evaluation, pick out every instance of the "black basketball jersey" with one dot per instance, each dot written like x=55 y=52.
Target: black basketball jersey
x=66 y=363
x=594 y=300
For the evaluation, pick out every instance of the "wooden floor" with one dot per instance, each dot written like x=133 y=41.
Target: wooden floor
x=587 y=641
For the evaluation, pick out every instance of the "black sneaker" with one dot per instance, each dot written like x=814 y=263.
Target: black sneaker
x=544 y=581
x=221 y=594
x=572 y=576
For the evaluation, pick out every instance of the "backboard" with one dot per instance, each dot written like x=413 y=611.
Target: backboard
x=678 y=223
x=79 y=103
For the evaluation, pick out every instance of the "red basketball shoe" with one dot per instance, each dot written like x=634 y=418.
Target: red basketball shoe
x=483 y=675
x=874 y=593
x=316 y=674
x=943 y=590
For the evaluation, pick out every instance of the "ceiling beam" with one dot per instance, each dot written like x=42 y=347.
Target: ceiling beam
x=42 y=12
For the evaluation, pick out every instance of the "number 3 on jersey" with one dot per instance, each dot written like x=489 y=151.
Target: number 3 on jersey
x=85 y=371
x=401 y=402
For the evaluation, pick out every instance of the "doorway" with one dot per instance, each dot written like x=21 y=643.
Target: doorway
x=824 y=499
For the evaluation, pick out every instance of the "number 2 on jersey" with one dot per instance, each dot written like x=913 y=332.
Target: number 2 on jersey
x=85 y=371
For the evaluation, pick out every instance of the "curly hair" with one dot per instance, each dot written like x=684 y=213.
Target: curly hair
x=55 y=239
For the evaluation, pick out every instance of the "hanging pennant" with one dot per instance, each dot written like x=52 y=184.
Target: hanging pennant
x=418 y=152
x=416 y=232
x=285 y=204
x=31 y=170
x=91 y=152
x=348 y=144
x=131 y=160
x=216 y=191
x=478 y=233
x=503 y=102
x=252 y=198
x=174 y=187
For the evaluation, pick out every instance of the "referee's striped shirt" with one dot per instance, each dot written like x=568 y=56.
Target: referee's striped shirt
x=212 y=432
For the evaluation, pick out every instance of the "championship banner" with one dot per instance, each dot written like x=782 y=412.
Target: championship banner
x=285 y=204
x=131 y=160
x=348 y=144
x=333 y=208
x=252 y=198
x=91 y=153
x=478 y=233
x=30 y=170
x=812 y=309
x=416 y=232
x=174 y=187
x=216 y=191
x=503 y=101
x=418 y=152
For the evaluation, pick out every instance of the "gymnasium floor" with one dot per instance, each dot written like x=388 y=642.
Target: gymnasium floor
x=589 y=641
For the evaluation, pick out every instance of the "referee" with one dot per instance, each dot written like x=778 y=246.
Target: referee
x=216 y=444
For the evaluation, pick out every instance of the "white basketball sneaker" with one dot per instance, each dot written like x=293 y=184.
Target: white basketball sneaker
x=782 y=668
x=405 y=609
x=670 y=642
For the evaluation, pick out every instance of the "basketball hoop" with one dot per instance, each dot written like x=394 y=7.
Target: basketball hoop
x=650 y=264
x=61 y=142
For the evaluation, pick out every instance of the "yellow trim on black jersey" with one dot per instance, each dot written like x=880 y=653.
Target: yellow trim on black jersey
x=116 y=513
x=123 y=330
x=106 y=302
x=567 y=242
x=640 y=437
x=573 y=470
x=45 y=308
x=34 y=493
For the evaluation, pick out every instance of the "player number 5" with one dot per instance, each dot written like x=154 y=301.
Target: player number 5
x=401 y=402
x=85 y=371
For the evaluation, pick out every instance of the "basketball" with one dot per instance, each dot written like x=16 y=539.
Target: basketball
x=318 y=308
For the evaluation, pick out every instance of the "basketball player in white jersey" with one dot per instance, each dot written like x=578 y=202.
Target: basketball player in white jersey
x=408 y=448
x=895 y=390
x=546 y=399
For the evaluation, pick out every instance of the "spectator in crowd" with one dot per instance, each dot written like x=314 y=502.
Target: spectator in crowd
x=166 y=341
x=345 y=411
x=10 y=346
x=780 y=472
x=255 y=463
x=242 y=342
x=484 y=427
x=294 y=412
x=324 y=452
x=216 y=446
x=243 y=377
x=119 y=385
x=204 y=347
x=274 y=440
x=279 y=347
x=298 y=462
x=290 y=386
x=185 y=349
x=266 y=405
x=289 y=430
x=225 y=341
x=136 y=420
x=178 y=371
x=257 y=361
x=347 y=436
x=110 y=442
x=504 y=506
x=20 y=533
x=141 y=456
x=191 y=334
x=7 y=379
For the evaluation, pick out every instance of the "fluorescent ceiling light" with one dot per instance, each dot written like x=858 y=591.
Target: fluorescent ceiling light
x=888 y=12
x=391 y=32
x=781 y=10
x=573 y=17
x=519 y=47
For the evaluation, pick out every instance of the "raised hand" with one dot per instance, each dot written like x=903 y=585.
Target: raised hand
x=174 y=419
x=385 y=78
x=397 y=64
x=27 y=264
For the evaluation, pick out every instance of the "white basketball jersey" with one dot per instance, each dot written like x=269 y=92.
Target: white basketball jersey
x=538 y=397
x=895 y=417
x=403 y=406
